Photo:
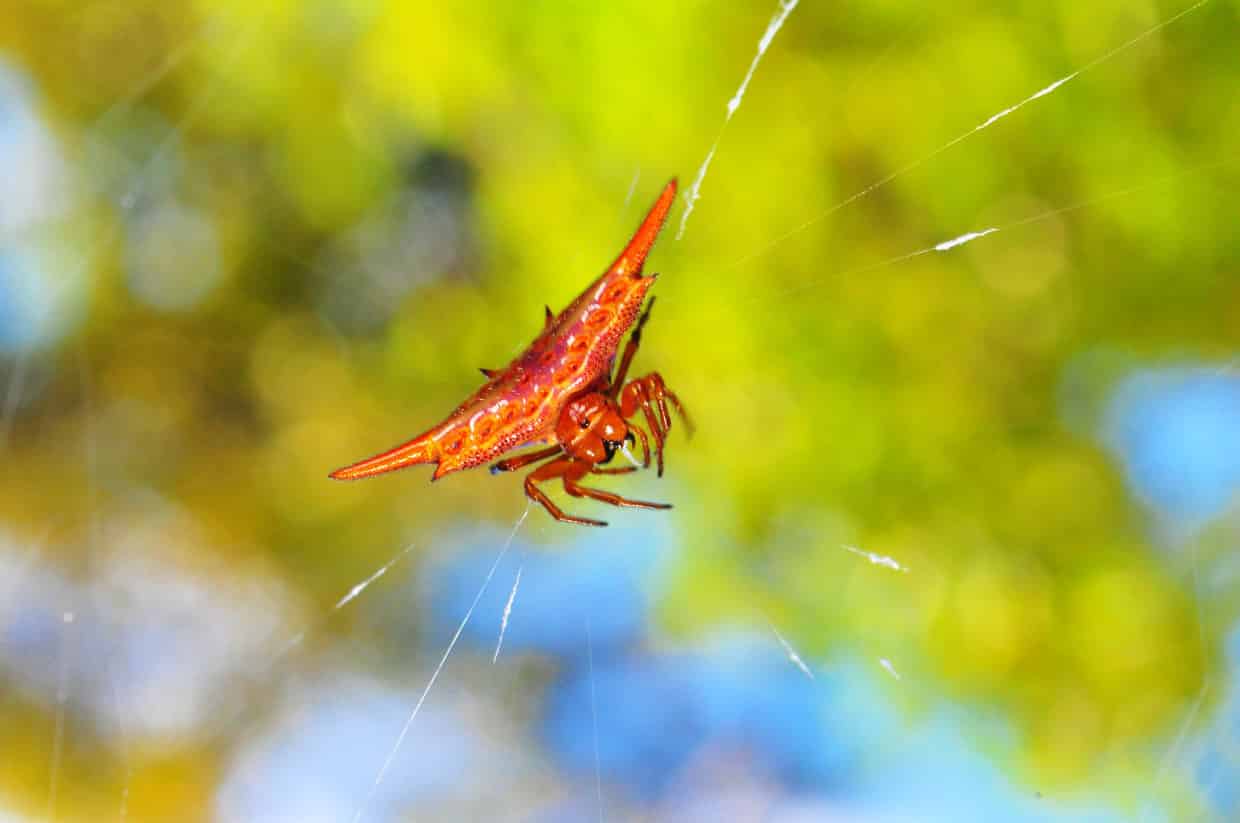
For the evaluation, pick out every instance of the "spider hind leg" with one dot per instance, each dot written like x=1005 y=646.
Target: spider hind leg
x=556 y=468
x=571 y=485
x=570 y=471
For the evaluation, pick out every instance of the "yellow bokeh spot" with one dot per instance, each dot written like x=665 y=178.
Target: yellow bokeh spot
x=297 y=373
x=1121 y=625
x=999 y=614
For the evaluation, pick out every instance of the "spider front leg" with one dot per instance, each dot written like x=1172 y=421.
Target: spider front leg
x=650 y=394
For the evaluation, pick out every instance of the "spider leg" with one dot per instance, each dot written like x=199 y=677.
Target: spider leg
x=571 y=486
x=514 y=463
x=650 y=394
x=641 y=435
x=637 y=395
x=656 y=432
x=652 y=388
x=556 y=468
x=630 y=349
x=690 y=428
x=661 y=401
x=618 y=470
x=661 y=394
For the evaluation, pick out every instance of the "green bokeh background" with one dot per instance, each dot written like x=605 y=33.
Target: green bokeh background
x=846 y=394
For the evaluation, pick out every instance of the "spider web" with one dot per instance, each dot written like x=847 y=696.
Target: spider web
x=104 y=590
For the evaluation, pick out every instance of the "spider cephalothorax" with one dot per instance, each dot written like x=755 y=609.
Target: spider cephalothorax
x=591 y=428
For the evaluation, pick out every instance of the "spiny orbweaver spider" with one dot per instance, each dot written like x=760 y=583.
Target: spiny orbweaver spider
x=561 y=391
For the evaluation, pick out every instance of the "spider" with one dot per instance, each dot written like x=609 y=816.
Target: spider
x=561 y=390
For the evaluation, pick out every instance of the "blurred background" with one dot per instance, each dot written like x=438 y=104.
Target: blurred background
x=956 y=539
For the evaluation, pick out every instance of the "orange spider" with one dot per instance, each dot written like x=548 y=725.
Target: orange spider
x=561 y=390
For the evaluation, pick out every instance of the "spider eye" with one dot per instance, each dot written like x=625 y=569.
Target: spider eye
x=585 y=424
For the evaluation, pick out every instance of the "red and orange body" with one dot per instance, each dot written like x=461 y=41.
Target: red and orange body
x=522 y=403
